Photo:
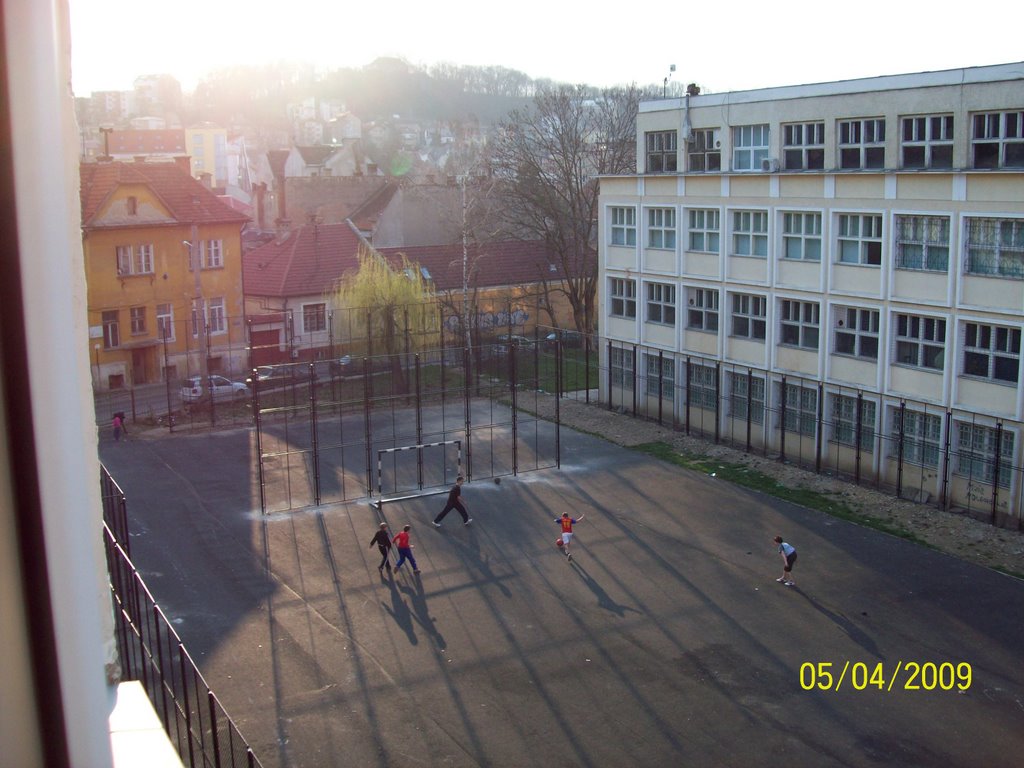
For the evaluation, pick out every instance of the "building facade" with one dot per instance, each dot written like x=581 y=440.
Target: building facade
x=833 y=269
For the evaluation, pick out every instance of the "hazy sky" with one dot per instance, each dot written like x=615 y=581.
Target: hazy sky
x=730 y=45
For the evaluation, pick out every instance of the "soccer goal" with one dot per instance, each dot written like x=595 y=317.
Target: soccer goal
x=410 y=471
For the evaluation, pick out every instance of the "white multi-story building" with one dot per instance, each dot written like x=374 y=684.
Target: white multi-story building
x=834 y=271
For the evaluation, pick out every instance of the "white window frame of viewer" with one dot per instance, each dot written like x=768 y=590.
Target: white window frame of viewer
x=801 y=236
x=705 y=224
x=661 y=228
x=622 y=297
x=859 y=239
x=623 y=225
x=750 y=232
x=750 y=145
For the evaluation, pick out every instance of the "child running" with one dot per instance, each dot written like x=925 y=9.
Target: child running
x=567 y=524
x=401 y=541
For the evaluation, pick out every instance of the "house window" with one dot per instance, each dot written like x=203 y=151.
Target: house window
x=111 y=330
x=623 y=226
x=860 y=239
x=800 y=406
x=800 y=322
x=144 y=259
x=137 y=316
x=920 y=341
x=703 y=151
x=801 y=236
x=621 y=365
x=927 y=142
x=314 y=317
x=857 y=332
x=743 y=397
x=661 y=151
x=862 y=143
x=749 y=146
x=623 y=297
x=661 y=228
x=124 y=260
x=992 y=352
x=803 y=146
x=212 y=253
x=702 y=386
x=750 y=233
x=922 y=242
x=702 y=312
x=922 y=434
x=216 y=316
x=660 y=369
x=704 y=230
x=997 y=140
x=749 y=315
x=976 y=453
x=132 y=206
x=995 y=247
x=844 y=422
x=165 y=321
x=661 y=303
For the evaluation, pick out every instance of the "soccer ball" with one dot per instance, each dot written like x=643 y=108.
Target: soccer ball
x=559 y=543
x=497 y=481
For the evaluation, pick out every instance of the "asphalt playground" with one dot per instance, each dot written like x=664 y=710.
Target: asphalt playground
x=666 y=642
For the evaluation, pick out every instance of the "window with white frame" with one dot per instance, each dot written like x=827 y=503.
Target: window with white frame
x=862 y=143
x=799 y=409
x=212 y=253
x=661 y=375
x=702 y=309
x=314 y=318
x=844 y=422
x=927 y=141
x=995 y=247
x=111 y=329
x=799 y=323
x=144 y=259
x=920 y=341
x=992 y=352
x=977 y=446
x=803 y=146
x=702 y=386
x=856 y=332
x=997 y=139
x=216 y=316
x=922 y=242
x=750 y=233
x=746 y=395
x=622 y=294
x=124 y=260
x=922 y=437
x=704 y=230
x=621 y=367
x=703 y=151
x=623 y=226
x=137 y=260
x=801 y=236
x=749 y=316
x=661 y=303
x=661 y=151
x=165 y=321
x=750 y=144
x=137 y=316
x=859 y=239
x=661 y=228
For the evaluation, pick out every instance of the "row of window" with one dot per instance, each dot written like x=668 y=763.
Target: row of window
x=138 y=259
x=992 y=246
x=214 y=318
x=916 y=435
x=990 y=352
x=925 y=141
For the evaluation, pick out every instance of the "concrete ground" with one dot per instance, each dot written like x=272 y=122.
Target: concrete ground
x=667 y=640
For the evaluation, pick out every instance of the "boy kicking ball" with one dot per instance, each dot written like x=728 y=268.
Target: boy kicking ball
x=788 y=553
x=567 y=524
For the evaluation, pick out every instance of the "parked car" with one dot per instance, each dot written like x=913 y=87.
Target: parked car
x=218 y=386
x=570 y=339
x=504 y=338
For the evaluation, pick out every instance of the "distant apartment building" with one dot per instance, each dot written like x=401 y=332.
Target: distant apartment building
x=207 y=145
x=833 y=269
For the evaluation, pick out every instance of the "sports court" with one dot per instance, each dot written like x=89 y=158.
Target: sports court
x=666 y=642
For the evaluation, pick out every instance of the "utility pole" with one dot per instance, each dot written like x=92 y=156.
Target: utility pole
x=465 y=269
x=199 y=311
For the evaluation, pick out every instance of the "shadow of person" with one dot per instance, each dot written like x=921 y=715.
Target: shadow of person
x=399 y=611
x=855 y=633
x=604 y=600
x=421 y=612
x=482 y=563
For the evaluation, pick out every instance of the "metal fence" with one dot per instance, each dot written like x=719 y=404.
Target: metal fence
x=952 y=458
x=151 y=652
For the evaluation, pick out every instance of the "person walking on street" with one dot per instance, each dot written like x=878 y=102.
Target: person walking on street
x=383 y=542
x=454 y=502
x=567 y=524
x=119 y=427
x=788 y=553
x=401 y=541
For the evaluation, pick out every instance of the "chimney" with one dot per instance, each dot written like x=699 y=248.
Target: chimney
x=206 y=179
x=184 y=162
x=259 y=192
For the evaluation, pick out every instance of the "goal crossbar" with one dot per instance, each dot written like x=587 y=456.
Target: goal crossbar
x=419 y=453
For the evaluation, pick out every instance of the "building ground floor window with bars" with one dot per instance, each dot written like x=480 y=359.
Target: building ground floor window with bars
x=981 y=450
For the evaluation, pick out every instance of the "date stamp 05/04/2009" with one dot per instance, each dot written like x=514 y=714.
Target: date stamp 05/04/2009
x=903 y=675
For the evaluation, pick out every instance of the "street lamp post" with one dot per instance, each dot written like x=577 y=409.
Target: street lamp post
x=96 y=353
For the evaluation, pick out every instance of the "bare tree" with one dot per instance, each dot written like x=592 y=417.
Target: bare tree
x=546 y=162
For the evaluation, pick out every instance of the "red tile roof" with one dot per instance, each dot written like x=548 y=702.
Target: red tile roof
x=306 y=261
x=186 y=199
x=366 y=216
x=502 y=263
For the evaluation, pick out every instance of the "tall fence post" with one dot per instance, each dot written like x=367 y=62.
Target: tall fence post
x=899 y=448
x=750 y=404
x=586 y=365
x=314 y=438
x=782 y=421
x=258 y=417
x=944 y=498
x=718 y=402
x=634 y=381
x=367 y=414
x=558 y=407
x=819 y=432
x=995 y=469
x=610 y=376
x=419 y=421
x=513 y=359
x=689 y=389
x=469 y=420
x=858 y=422
x=661 y=383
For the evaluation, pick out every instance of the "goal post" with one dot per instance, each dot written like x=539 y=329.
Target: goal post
x=414 y=490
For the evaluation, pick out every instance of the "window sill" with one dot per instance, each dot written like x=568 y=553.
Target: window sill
x=924 y=270
x=920 y=368
x=857 y=264
x=987 y=380
x=858 y=358
x=748 y=256
x=799 y=348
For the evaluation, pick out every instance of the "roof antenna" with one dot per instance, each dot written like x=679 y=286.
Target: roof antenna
x=664 y=86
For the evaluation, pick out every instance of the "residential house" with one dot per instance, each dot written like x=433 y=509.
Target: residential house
x=164 y=273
